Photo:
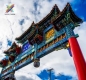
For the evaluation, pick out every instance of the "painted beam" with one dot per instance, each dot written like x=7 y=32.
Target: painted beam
x=39 y=55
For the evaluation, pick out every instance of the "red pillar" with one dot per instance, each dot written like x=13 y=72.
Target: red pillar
x=78 y=58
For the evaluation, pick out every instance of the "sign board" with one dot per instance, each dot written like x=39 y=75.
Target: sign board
x=49 y=34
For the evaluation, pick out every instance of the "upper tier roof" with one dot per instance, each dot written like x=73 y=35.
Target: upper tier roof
x=26 y=32
x=55 y=8
x=11 y=49
x=59 y=14
x=72 y=14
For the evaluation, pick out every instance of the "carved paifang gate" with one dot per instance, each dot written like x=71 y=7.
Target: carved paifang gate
x=54 y=32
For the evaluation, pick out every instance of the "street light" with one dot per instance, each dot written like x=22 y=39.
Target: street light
x=50 y=70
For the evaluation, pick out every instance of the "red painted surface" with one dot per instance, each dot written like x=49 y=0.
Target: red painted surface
x=78 y=58
x=4 y=62
x=18 y=50
x=40 y=37
x=12 y=58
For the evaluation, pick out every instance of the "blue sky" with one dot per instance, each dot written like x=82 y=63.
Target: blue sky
x=12 y=26
x=44 y=75
x=79 y=8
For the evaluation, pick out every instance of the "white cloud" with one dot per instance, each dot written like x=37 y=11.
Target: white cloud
x=26 y=76
x=10 y=28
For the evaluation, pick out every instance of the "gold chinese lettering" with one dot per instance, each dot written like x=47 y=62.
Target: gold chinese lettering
x=50 y=33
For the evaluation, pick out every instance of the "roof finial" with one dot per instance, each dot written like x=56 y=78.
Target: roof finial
x=33 y=22
x=68 y=4
x=55 y=5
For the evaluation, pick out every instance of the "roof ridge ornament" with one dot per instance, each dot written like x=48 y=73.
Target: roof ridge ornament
x=68 y=4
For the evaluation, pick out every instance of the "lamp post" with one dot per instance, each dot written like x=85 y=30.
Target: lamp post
x=50 y=71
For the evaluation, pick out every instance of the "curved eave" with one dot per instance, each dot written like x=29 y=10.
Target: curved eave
x=9 y=52
x=5 y=52
x=11 y=48
x=49 y=15
x=25 y=33
x=73 y=16
x=24 y=39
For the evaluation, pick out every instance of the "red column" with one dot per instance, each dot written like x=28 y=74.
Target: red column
x=78 y=58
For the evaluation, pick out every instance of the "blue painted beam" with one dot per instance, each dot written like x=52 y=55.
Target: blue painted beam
x=40 y=54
